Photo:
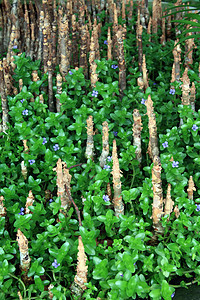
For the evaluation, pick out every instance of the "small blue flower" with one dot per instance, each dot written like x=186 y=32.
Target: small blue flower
x=70 y=73
x=114 y=67
x=106 y=167
x=109 y=158
x=115 y=133
x=121 y=275
x=165 y=144
x=172 y=91
x=106 y=198
x=143 y=101
x=95 y=93
x=172 y=295
x=105 y=42
x=175 y=164
x=194 y=127
x=154 y=83
x=15 y=47
x=21 y=211
x=44 y=141
x=31 y=161
x=22 y=100
x=25 y=112
x=56 y=147
x=198 y=207
x=50 y=200
x=55 y=264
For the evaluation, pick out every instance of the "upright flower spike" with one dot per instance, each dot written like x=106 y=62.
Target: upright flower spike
x=116 y=173
x=90 y=143
x=64 y=62
x=93 y=65
x=144 y=72
x=105 y=142
x=163 y=37
x=20 y=296
x=109 y=51
x=191 y=188
x=4 y=103
x=121 y=61
x=193 y=96
x=74 y=41
x=137 y=128
x=83 y=50
x=23 y=167
x=149 y=28
x=24 y=254
x=130 y=11
x=50 y=287
x=153 y=139
x=80 y=278
x=169 y=25
x=115 y=29
x=168 y=201
x=156 y=15
x=140 y=48
x=185 y=88
x=29 y=202
x=176 y=211
x=157 y=209
x=177 y=60
x=2 y=207
x=59 y=91
x=63 y=181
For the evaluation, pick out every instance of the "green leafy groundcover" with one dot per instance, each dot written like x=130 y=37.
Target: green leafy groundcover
x=123 y=263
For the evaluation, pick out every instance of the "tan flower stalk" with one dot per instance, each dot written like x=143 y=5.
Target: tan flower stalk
x=41 y=98
x=2 y=207
x=40 y=36
x=109 y=51
x=90 y=143
x=137 y=128
x=8 y=80
x=153 y=139
x=140 y=48
x=59 y=91
x=64 y=62
x=115 y=29
x=93 y=65
x=1 y=33
x=168 y=201
x=169 y=26
x=83 y=50
x=24 y=254
x=50 y=287
x=50 y=86
x=20 y=84
x=185 y=88
x=4 y=103
x=23 y=167
x=157 y=210
x=163 y=37
x=130 y=11
x=189 y=46
x=96 y=41
x=105 y=142
x=191 y=188
x=121 y=61
x=156 y=15
x=116 y=173
x=29 y=202
x=109 y=192
x=173 y=75
x=74 y=41
x=20 y=296
x=193 y=96
x=80 y=278
x=123 y=10
x=177 y=59
x=145 y=75
x=177 y=212
x=35 y=75
x=149 y=28
x=63 y=181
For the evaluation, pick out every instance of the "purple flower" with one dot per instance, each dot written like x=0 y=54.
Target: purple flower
x=172 y=295
x=121 y=275
x=115 y=133
x=31 y=161
x=106 y=167
x=106 y=198
x=95 y=93
x=21 y=211
x=109 y=158
x=55 y=264
x=25 y=112
x=198 y=207
x=22 y=100
x=105 y=42
x=70 y=73
x=154 y=83
x=172 y=91
x=56 y=147
x=175 y=164
x=44 y=141
x=143 y=101
x=114 y=67
x=15 y=47
x=165 y=144
x=50 y=200
x=194 y=127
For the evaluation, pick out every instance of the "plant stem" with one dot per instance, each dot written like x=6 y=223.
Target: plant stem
x=189 y=283
x=23 y=285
